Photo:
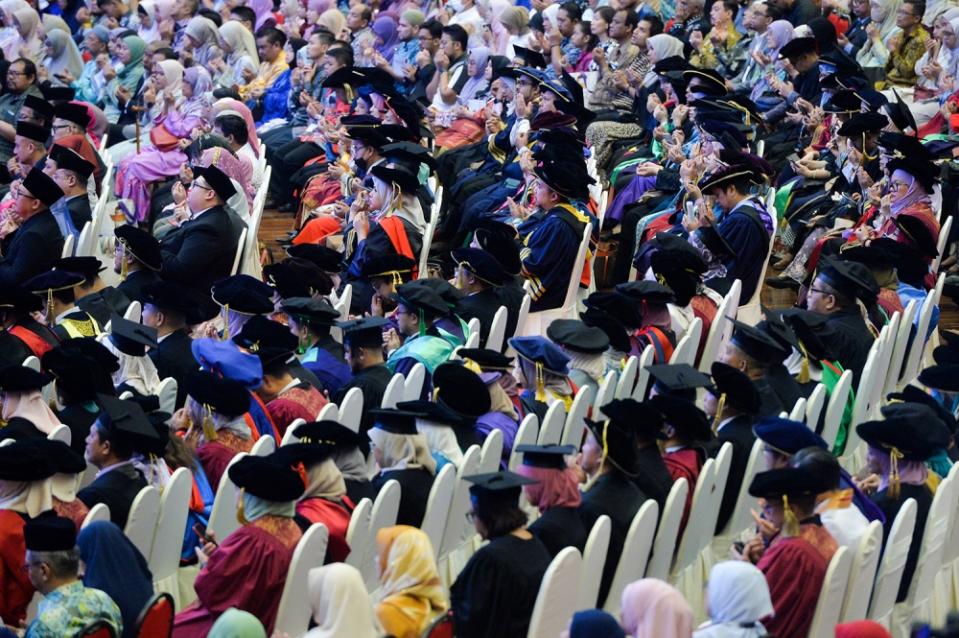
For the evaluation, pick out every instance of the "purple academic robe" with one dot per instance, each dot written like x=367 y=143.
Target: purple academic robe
x=498 y=421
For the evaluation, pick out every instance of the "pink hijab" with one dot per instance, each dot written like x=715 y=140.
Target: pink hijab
x=554 y=488
x=230 y=104
x=234 y=168
x=653 y=609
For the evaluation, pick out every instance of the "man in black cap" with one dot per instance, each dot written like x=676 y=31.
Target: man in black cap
x=484 y=280
x=202 y=250
x=93 y=296
x=171 y=309
x=57 y=288
x=137 y=259
x=37 y=243
x=833 y=293
x=585 y=346
x=71 y=173
x=36 y=110
x=311 y=320
x=121 y=430
x=29 y=149
x=70 y=119
x=752 y=351
x=363 y=351
x=386 y=273
x=418 y=308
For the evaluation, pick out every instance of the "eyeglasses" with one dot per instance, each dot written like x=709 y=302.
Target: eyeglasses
x=199 y=185
x=820 y=291
x=15 y=73
x=897 y=185
x=57 y=127
x=22 y=193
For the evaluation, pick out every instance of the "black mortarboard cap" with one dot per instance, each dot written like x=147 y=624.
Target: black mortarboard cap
x=861 y=123
x=75 y=373
x=614 y=329
x=327 y=259
x=688 y=420
x=316 y=312
x=15 y=378
x=409 y=153
x=787 y=436
x=788 y=481
x=70 y=160
x=42 y=187
x=460 y=389
x=797 y=47
x=141 y=244
x=170 y=296
x=53 y=281
x=89 y=267
x=395 y=266
x=575 y=335
x=50 y=533
x=487 y=360
x=222 y=395
x=645 y=420
x=308 y=454
x=914 y=394
x=741 y=393
x=756 y=343
x=547 y=456
x=39 y=106
x=710 y=82
x=421 y=298
x=618 y=306
x=269 y=340
x=530 y=58
x=19 y=299
x=363 y=333
x=57 y=94
x=126 y=421
x=131 y=337
x=24 y=460
x=498 y=489
x=64 y=458
x=917 y=233
x=217 y=179
x=408 y=182
x=482 y=264
x=618 y=439
x=843 y=101
x=677 y=379
x=913 y=429
x=646 y=291
x=850 y=278
x=267 y=477
x=76 y=113
x=901 y=115
x=328 y=433
x=243 y=294
x=295 y=277
x=33 y=132
x=395 y=421
x=943 y=377
x=502 y=247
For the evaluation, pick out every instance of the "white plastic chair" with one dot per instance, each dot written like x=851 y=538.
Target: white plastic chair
x=864 y=566
x=456 y=527
x=741 y=518
x=351 y=409
x=665 y=543
x=556 y=599
x=67 y=246
x=238 y=253
x=264 y=446
x=798 y=413
x=329 y=412
x=606 y=393
x=164 y=558
x=814 y=406
x=835 y=408
x=751 y=312
x=61 y=433
x=575 y=420
x=551 y=430
x=427 y=243
x=32 y=362
x=84 y=245
x=538 y=322
x=288 y=436
x=223 y=515
x=142 y=521
x=438 y=506
x=689 y=545
x=893 y=562
x=358 y=534
x=685 y=351
x=914 y=355
x=166 y=393
x=642 y=380
x=385 y=508
x=831 y=596
x=521 y=318
x=492 y=452
x=627 y=378
x=527 y=434
x=134 y=312
x=497 y=330
x=293 y=613
x=394 y=392
x=594 y=559
x=942 y=243
x=900 y=347
x=99 y=512
x=632 y=562
x=413 y=385
x=720 y=328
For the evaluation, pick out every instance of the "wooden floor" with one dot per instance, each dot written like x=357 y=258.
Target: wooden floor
x=276 y=225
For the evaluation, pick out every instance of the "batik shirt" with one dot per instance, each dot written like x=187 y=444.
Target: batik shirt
x=68 y=609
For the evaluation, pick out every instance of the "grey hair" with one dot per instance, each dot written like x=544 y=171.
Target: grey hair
x=63 y=564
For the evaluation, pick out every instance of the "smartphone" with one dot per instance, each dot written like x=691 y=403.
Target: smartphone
x=200 y=530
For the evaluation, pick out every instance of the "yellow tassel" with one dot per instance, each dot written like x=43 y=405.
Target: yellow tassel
x=894 y=482
x=226 y=322
x=209 y=431
x=123 y=262
x=804 y=368
x=719 y=412
x=472 y=366
x=50 y=317
x=397 y=279
x=540 y=383
x=240 y=515
x=436 y=393
x=790 y=522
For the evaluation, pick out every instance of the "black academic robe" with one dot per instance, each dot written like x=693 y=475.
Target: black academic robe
x=481 y=305
x=495 y=593
x=739 y=432
x=372 y=381
x=358 y=490
x=618 y=497
x=136 y=281
x=741 y=246
x=173 y=357
x=78 y=419
x=79 y=209
x=31 y=249
x=117 y=488
x=12 y=349
x=415 y=488
x=101 y=305
x=847 y=337
x=890 y=508
x=654 y=479
x=550 y=247
x=201 y=251
x=558 y=528
x=783 y=384
x=769 y=403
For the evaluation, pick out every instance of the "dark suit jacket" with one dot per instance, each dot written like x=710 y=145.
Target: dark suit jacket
x=174 y=358
x=739 y=432
x=117 y=488
x=102 y=304
x=201 y=251
x=80 y=212
x=31 y=249
x=135 y=282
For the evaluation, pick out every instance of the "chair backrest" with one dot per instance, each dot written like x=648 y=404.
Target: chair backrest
x=521 y=317
x=627 y=378
x=594 y=559
x=142 y=521
x=888 y=337
x=635 y=555
x=438 y=506
x=741 y=518
x=223 y=515
x=473 y=340
x=798 y=412
x=575 y=420
x=835 y=408
x=941 y=244
x=863 y=404
x=473 y=325
x=665 y=543
x=685 y=351
x=166 y=392
x=442 y=627
x=891 y=383
x=914 y=355
x=526 y=435
x=427 y=243
x=293 y=613
x=413 y=384
x=156 y=619
x=98 y=629
x=606 y=393
x=864 y=566
x=714 y=338
x=329 y=412
x=814 y=406
x=492 y=453
x=351 y=409
x=61 y=433
x=457 y=527
x=394 y=392
x=99 y=512
x=288 y=436
x=32 y=362
x=750 y=312
x=689 y=546
x=934 y=538
x=724 y=462
x=134 y=312
x=358 y=534
x=84 y=245
x=164 y=557
x=67 y=246
x=642 y=379
x=238 y=254
x=551 y=430
x=385 y=508
x=577 y=273
x=829 y=605
x=893 y=562
x=265 y=446
x=497 y=330
x=556 y=599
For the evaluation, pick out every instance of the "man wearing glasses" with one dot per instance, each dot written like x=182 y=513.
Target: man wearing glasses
x=37 y=243
x=201 y=251
x=21 y=81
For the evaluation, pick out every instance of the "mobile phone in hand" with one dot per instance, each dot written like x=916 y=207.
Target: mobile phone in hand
x=200 y=530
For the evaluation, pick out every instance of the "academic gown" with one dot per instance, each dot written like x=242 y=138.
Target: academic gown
x=31 y=249
x=654 y=479
x=356 y=491
x=744 y=233
x=101 y=305
x=79 y=419
x=483 y=306
x=136 y=281
x=558 y=528
x=429 y=349
x=215 y=456
x=117 y=488
x=247 y=571
x=201 y=251
x=336 y=517
x=302 y=401
x=415 y=488
x=77 y=324
x=372 y=381
x=795 y=571
x=79 y=208
x=38 y=337
x=495 y=593
x=739 y=432
x=769 y=403
x=16 y=591
x=324 y=360
x=783 y=384
x=502 y=422
x=13 y=350
x=618 y=497
x=173 y=357
x=686 y=462
x=548 y=255
x=306 y=375
x=846 y=335
x=890 y=508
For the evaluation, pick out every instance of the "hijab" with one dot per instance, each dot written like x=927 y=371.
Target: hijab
x=888 y=24
x=551 y=13
x=240 y=41
x=30 y=406
x=515 y=18
x=64 y=54
x=340 y=603
x=115 y=566
x=324 y=481
x=594 y=365
x=477 y=82
x=441 y=439
x=654 y=609
x=553 y=487
x=173 y=74
x=910 y=472
x=204 y=31
x=236 y=623
x=407 y=206
x=738 y=597
x=255 y=508
x=352 y=465
x=53 y=23
x=232 y=104
x=402 y=451
x=202 y=84
x=28 y=21
x=26 y=497
x=139 y=373
x=264 y=11
x=780 y=32
x=594 y=623
x=333 y=21
x=663 y=46
x=235 y=169
x=916 y=194
x=385 y=29
x=132 y=71
x=410 y=582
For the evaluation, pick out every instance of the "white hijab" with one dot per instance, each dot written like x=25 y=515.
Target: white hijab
x=32 y=407
x=402 y=451
x=738 y=597
x=663 y=46
x=340 y=603
x=441 y=439
x=137 y=372
x=26 y=497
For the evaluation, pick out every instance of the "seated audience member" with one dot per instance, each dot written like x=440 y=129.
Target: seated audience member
x=497 y=589
x=738 y=598
x=403 y=455
x=840 y=518
x=363 y=351
x=348 y=454
x=411 y=594
x=137 y=260
x=544 y=371
x=339 y=602
x=752 y=352
x=653 y=608
x=555 y=494
x=171 y=308
x=36 y=243
x=128 y=342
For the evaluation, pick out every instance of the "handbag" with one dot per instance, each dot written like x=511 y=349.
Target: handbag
x=163 y=139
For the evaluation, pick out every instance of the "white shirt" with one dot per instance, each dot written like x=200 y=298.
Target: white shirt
x=846 y=525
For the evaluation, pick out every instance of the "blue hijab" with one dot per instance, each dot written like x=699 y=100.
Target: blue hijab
x=594 y=623
x=115 y=566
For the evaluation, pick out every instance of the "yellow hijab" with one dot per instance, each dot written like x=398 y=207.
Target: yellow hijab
x=411 y=594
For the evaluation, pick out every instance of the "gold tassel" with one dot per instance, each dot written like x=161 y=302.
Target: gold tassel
x=894 y=482
x=804 y=368
x=50 y=317
x=541 y=383
x=124 y=267
x=240 y=514
x=226 y=322
x=790 y=522
x=472 y=366
x=209 y=431
x=397 y=279
x=436 y=393
x=719 y=412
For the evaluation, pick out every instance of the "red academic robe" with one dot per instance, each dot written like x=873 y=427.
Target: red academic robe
x=16 y=592
x=794 y=571
x=247 y=571
x=216 y=455
x=336 y=517
x=304 y=402
x=685 y=463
